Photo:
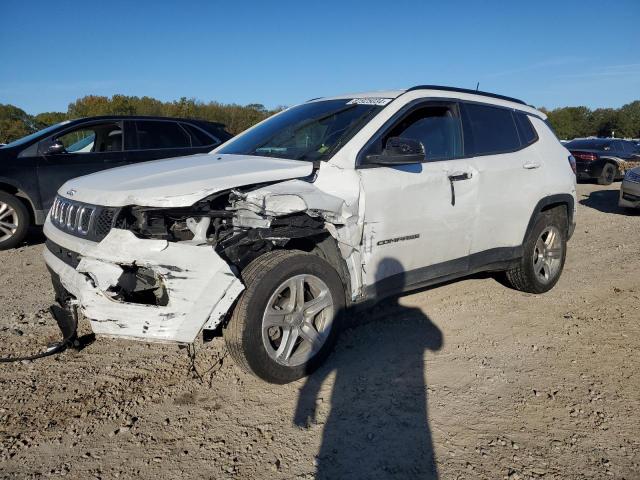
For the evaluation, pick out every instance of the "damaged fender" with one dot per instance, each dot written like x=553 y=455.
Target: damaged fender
x=200 y=287
x=332 y=197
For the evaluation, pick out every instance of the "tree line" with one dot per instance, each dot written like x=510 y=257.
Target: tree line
x=16 y=123
x=568 y=122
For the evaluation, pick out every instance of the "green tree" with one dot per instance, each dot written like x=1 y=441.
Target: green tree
x=605 y=122
x=571 y=122
x=14 y=123
x=630 y=119
x=46 y=119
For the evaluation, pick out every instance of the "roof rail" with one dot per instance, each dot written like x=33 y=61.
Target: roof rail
x=465 y=90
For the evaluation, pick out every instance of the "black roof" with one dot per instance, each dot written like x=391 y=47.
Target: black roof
x=466 y=90
x=596 y=140
x=148 y=117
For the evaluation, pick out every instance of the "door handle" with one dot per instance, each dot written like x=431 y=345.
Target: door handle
x=457 y=177
x=531 y=165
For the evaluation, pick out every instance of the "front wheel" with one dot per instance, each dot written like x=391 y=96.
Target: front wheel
x=14 y=221
x=544 y=253
x=608 y=174
x=286 y=321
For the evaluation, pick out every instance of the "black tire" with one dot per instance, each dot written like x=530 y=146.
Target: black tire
x=262 y=277
x=23 y=217
x=524 y=277
x=608 y=175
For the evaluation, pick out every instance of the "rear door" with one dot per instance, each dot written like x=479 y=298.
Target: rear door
x=155 y=139
x=89 y=147
x=511 y=178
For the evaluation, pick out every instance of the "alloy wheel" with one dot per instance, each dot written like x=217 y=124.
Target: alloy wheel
x=8 y=221
x=547 y=254
x=297 y=320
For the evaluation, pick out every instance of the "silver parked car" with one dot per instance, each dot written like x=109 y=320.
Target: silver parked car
x=630 y=189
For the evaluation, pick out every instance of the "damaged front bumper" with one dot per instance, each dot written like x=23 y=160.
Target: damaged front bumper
x=198 y=287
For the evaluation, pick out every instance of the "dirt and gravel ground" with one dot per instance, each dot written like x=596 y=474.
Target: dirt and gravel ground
x=490 y=382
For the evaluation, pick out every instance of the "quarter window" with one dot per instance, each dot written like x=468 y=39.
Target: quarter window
x=198 y=137
x=525 y=129
x=489 y=130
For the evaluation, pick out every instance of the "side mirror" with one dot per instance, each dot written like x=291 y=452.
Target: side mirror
x=56 y=147
x=399 y=151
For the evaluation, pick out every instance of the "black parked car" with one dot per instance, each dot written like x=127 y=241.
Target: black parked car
x=34 y=167
x=600 y=158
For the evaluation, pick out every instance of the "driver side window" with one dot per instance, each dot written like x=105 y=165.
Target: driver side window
x=436 y=126
x=93 y=139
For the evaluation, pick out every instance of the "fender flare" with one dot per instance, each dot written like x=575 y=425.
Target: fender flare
x=560 y=199
x=19 y=192
x=618 y=161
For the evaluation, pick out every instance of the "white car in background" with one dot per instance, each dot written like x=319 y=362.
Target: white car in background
x=319 y=209
x=630 y=189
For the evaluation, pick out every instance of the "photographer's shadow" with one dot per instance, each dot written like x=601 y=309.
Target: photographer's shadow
x=378 y=425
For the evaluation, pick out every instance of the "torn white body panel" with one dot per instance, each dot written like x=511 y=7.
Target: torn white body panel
x=335 y=196
x=200 y=287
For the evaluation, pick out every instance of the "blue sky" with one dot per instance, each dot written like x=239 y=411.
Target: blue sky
x=549 y=53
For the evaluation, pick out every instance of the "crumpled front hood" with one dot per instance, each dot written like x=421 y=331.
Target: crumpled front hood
x=181 y=181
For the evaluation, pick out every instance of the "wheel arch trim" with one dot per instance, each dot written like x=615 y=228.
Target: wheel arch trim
x=547 y=203
x=13 y=188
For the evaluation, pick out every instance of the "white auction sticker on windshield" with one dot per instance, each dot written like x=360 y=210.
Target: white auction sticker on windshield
x=369 y=101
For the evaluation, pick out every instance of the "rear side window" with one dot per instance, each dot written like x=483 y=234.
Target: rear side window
x=153 y=135
x=489 y=130
x=198 y=137
x=526 y=132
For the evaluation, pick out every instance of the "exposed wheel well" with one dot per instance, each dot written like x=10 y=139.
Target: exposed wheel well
x=326 y=247
x=561 y=207
x=5 y=187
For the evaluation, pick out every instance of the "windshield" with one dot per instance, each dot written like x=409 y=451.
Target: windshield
x=311 y=131
x=33 y=136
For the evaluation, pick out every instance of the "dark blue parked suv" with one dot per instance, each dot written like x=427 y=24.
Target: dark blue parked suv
x=33 y=168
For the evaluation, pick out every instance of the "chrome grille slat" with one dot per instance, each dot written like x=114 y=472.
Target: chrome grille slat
x=72 y=217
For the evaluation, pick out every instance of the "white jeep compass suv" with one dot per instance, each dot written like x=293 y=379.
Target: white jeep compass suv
x=316 y=210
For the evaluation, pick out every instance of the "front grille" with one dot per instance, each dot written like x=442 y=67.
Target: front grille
x=104 y=221
x=72 y=217
x=82 y=220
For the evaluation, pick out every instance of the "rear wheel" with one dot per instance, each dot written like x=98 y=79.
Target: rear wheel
x=608 y=174
x=14 y=221
x=286 y=321
x=544 y=253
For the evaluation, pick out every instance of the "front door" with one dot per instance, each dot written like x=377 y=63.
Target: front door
x=88 y=148
x=419 y=218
